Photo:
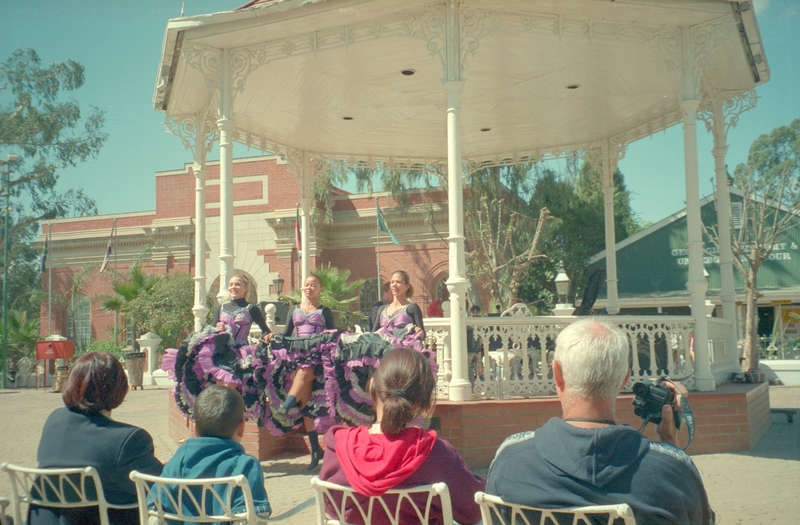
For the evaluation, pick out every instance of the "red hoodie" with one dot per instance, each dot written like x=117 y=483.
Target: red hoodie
x=375 y=463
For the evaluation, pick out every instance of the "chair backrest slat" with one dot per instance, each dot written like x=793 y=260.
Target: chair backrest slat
x=396 y=504
x=498 y=512
x=60 y=488
x=193 y=500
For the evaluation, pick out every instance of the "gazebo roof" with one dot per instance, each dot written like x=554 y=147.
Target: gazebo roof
x=327 y=76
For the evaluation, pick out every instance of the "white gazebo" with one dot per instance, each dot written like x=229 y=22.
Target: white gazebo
x=457 y=85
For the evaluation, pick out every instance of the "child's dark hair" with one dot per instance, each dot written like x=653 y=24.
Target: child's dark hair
x=218 y=411
x=405 y=385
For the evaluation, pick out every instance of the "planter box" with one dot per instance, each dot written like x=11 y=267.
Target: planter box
x=787 y=370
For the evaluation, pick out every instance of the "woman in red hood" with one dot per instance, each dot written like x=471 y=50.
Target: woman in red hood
x=392 y=453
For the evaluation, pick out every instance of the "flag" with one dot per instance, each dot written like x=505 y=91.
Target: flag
x=298 y=240
x=383 y=226
x=108 y=247
x=44 y=251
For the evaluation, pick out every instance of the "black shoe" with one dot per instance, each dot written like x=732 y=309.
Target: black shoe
x=316 y=456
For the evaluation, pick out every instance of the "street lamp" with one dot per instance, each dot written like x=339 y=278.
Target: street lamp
x=562 y=290
x=278 y=285
x=6 y=249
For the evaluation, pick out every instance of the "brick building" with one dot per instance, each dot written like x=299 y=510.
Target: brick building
x=265 y=196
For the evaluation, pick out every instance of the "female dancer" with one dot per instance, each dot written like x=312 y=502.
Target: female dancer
x=295 y=384
x=393 y=453
x=401 y=313
x=399 y=324
x=219 y=353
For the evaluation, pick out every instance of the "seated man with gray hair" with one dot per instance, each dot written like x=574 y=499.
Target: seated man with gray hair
x=585 y=458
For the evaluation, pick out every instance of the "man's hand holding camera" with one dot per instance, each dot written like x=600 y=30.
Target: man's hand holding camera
x=667 y=430
x=662 y=402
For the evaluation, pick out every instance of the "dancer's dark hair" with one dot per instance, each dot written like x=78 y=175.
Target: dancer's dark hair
x=406 y=280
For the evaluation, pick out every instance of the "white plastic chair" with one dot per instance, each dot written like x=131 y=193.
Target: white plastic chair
x=341 y=498
x=153 y=492
x=495 y=511
x=62 y=488
x=4 y=503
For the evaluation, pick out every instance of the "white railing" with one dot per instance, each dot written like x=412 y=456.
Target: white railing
x=517 y=352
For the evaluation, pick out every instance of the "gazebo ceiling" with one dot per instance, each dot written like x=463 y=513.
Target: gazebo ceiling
x=539 y=76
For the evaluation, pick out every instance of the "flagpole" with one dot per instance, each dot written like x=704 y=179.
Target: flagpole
x=298 y=242
x=113 y=233
x=49 y=284
x=378 y=242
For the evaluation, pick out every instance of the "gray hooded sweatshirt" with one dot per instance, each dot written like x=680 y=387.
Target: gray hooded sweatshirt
x=565 y=466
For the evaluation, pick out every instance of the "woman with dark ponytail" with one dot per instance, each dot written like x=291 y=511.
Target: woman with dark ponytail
x=392 y=453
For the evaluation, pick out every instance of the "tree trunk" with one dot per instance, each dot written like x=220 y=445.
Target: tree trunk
x=751 y=345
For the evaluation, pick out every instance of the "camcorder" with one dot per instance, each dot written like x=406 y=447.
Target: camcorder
x=650 y=397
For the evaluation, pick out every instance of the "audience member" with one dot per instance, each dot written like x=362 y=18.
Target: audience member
x=216 y=451
x=394 y=454
x=586 y=458
x=386 y=298
x=82 y=434
x=435 y=308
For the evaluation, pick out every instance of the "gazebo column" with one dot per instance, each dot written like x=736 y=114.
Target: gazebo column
x=460 y=388
x=199 y=309
x=457 y=284
x=226 y=126
x=306 y=189
x=305 y=261
x=727 y=292
x=697 y=284
x=609 y=167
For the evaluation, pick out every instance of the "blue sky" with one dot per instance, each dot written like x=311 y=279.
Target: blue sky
x=119 y=43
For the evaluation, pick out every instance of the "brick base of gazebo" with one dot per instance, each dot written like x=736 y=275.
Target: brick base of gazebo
x=731 y=419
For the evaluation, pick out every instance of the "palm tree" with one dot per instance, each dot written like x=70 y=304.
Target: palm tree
x=22 y=335
x=138 y=283
x=338 y=294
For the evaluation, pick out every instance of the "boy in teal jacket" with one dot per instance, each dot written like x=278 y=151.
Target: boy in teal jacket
x=216 y=452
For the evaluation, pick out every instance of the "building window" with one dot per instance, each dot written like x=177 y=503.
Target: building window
x=736 y=215
x=368 y=295
x=79 y=321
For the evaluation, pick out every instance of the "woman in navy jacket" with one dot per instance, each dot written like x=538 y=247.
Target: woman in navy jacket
x=83 y=434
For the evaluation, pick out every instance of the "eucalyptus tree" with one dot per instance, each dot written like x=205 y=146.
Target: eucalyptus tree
x=48 y=134
x=770 y=211
x=577 y=201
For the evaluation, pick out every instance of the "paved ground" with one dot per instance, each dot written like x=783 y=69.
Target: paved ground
x=758 y=487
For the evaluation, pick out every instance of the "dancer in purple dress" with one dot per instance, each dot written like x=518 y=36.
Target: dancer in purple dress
x=220 y=353
x=295 y=385
x=399 y=324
